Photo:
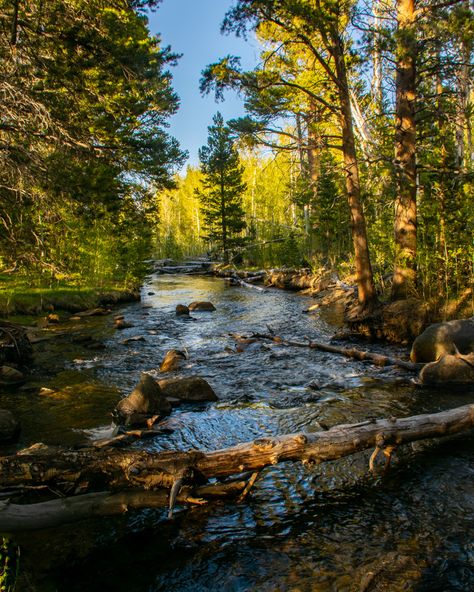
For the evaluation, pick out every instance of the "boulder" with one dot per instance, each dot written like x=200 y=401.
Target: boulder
x=182 y=310
x=189 y=389
x=443 y=339
x=9 y=426
x=449 y=369
x=145 y=401
x=202 y=306
x=173 y=360
x=10 y=376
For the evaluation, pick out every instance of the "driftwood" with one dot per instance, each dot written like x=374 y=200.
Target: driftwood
x=111 y=470
x=352 y=352
x=236 y=280
x=52 y=513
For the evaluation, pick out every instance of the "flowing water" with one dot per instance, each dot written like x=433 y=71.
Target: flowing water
x=330 y=527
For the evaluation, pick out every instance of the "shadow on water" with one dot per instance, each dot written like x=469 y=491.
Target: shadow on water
x=331 y=527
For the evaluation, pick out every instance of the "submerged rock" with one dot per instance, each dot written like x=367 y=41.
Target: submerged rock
x=173 y=360
x=182 y=310
x=94 y=312
x=9 y=426
x=202 y=306
x=144 y=402
x=123 y=324
x=190 y=389
x=10 y=376
x=444 y=339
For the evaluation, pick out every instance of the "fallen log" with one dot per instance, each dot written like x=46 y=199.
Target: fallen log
x=16 y=518
x=109 y=469
x=235 y=280
x=348 y=352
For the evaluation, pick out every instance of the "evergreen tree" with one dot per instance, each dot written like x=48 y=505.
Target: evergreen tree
x=222 y=188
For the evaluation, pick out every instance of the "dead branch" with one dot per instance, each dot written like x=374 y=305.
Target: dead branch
x=53 y=513
x=352 y=352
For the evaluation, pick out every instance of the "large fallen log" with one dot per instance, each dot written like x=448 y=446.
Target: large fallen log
x=111 y=470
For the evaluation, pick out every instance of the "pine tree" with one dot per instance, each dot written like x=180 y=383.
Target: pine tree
x=222 y=188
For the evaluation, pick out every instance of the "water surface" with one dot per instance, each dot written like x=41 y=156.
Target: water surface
x=330 y=527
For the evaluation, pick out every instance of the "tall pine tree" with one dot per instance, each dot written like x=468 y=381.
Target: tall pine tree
x=222 y=188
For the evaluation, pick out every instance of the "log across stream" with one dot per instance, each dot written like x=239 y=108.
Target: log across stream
x=309 y=526
x=182 y=472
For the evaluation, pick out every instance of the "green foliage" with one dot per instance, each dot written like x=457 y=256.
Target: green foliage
x=9 y=564
x=86 y=94
x=221 y=189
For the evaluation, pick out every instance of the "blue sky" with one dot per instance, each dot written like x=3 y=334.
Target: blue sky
x=192 y=28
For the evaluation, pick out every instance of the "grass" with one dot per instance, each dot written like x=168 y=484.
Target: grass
x=25 y=296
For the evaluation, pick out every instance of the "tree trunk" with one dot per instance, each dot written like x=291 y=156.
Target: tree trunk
x=377 y=72
x=224 y=222
x=129 y=470
x=464 y=147
x=365 y=282
x=405 y=228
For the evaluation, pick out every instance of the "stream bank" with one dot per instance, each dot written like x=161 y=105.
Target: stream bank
x=29 y=301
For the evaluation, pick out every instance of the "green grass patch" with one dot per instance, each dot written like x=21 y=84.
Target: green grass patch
x=20 y=297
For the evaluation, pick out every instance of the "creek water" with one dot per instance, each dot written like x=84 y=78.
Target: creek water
x=331 y=527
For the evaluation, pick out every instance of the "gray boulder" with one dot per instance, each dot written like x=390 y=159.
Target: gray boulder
x=443 y=339
x=449 y=369
x=144 y=402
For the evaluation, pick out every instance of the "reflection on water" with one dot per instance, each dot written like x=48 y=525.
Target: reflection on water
x=326 y=528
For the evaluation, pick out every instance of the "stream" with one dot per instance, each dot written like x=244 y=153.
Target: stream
x=328 y=527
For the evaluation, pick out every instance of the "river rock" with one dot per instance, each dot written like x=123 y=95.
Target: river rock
x=202 y=306
x=189 y=389
x=444 y=338
x=182 y=310
x=10 y=376
x=145 y=401
x=449 y=369
x=9 y=426
x=173 y=360
x=123 y=324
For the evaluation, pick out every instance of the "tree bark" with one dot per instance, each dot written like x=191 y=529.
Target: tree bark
x=464 y=152
x=365 y=282
x=405 y=227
